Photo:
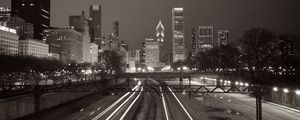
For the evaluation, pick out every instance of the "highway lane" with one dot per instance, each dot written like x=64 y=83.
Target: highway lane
x=246 y=105
x=175 y=109
x=234 y=107
x=118 y=106
x=105 y=107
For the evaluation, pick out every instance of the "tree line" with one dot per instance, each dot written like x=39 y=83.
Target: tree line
x=260 y=55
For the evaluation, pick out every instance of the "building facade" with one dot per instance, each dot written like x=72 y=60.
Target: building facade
x=70 y=42
x=54 y=50
x=137 y=56
x=142 y=53
x=95 y=24
x=24 y=29
x=152 y=53
x=160 y=36
x=80 y=24
x=93 y=53
x=5 y=12
x=223 y=36
x=204 y=38
x=36 y=12
x=33 y=47
x=9 y=41
x=116 y=28
x=178 y=34
x=193 y=42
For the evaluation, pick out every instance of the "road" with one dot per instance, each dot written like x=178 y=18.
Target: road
x=158 y=105
x=136 y=105
x=230 y=106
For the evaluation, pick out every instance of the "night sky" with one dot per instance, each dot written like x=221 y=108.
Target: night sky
x=138 y=18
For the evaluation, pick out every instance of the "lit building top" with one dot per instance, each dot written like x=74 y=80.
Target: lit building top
x=8 y=29
x=160 y=32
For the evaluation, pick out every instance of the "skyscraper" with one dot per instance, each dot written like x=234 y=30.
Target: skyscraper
x=80 y=24
x=152 y=53
x=142 y=55
x=160 y=34
x=36 y=12
x=116 y=28
x=178 y=34
x=205 y=37
x=69 y=40
x=222 y=37
x=95 y=24
x=193 y=42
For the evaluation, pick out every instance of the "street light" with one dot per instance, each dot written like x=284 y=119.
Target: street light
x=285 y=90
x=297 y=92
x=184 y=68
x=275 y=89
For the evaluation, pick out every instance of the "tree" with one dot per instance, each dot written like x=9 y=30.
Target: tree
x=16 y=68
x=285 y=61
x=257 y=48
x=110 y=61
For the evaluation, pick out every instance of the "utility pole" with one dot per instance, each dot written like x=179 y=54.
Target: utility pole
x=258 y=96
x=37 y=97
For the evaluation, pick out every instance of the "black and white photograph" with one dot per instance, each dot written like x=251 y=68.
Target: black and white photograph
x=149 y=59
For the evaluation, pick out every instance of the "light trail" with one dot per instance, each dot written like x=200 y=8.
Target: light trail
x=131 y=104
x=115 y=103
x=111 y=115
x=164 y=104
x=180 y=104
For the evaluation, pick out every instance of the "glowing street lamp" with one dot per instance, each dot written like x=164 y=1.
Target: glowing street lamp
x=275 y=89
x=285 y=90
x=184 y=68
x=297 y=92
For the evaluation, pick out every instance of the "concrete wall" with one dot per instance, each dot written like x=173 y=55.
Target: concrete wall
x=14 y=107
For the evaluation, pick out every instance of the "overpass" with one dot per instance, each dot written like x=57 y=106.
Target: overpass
x=91 y=84
x=165 y=75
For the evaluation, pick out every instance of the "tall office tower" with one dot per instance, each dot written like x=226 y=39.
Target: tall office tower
x=193 y=42
x=5 y=12
x=80 y=24
x=36 y=12
x=223 y=36
x=95 y=24
x=137 y=56
x=205 y=37
x=116 y=28
x=160 y=34
x=142 y=59
x=178 y=34
x=65 y=43
x=93 y=53
x=152 y=53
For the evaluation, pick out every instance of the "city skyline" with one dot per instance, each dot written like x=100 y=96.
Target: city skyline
x=223 y=15
x=149 y=59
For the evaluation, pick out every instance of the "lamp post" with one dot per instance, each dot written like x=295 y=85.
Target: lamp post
x=180 y=76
